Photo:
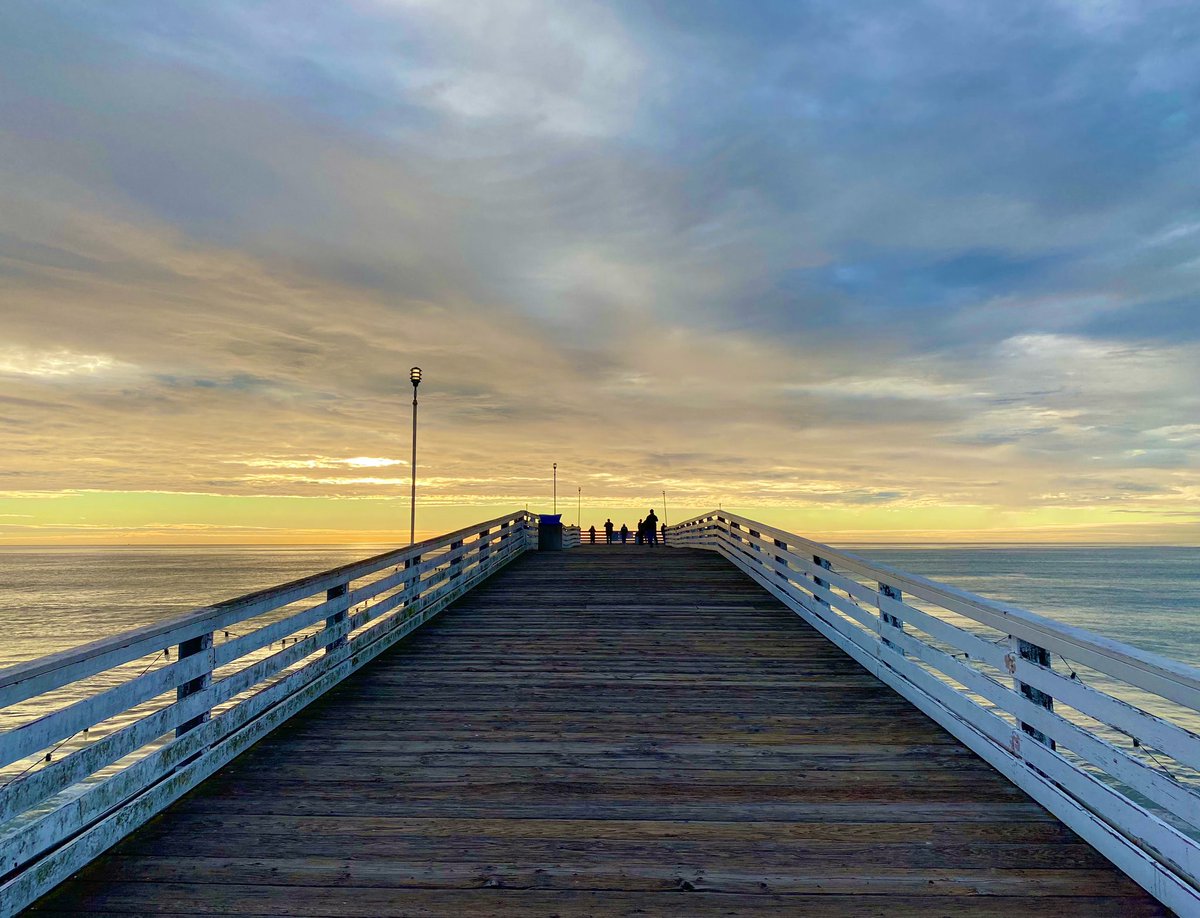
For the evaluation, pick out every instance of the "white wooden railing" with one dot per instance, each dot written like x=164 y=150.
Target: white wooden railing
x=96 y=740
x=571 y=537
x=1098 y=732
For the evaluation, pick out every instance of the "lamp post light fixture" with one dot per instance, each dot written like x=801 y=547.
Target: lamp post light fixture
x=414 y=376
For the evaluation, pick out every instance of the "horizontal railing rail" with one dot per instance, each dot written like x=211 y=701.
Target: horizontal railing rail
x=1115 y=755
x=97 y=739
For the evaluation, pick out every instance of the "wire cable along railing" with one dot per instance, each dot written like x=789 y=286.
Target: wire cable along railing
x=146 y=715
x=1100 y=733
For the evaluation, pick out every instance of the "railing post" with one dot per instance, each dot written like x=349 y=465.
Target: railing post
x=1039 y=656
x=189 y=648
x=890 y=618
x=782 y=575
x=456 y=563
x=485 y=546
x=825 y=565
x=338 y=617
x=413 y=583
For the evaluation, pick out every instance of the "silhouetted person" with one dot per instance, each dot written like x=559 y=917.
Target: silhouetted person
x=624 y=533
x=592 y=534
x=608 y=528
x=664 y=533
x=640 y=534
x=652 y=527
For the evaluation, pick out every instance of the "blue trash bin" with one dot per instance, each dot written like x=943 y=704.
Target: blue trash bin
x=550 y=532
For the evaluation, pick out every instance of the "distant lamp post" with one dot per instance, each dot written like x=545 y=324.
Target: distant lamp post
x=664 y=508
x=556 y=487
x=579 y=506
x=414 y=376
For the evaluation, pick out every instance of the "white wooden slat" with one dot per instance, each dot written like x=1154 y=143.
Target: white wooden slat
x=232 y=650
x=868 y=641
x=375 y=610
x=31 y=789
x=26 y=841
x=865 y=617
x=1177 y=742
x=1180 y=800
x=246 y=678
x=375 y=587
x=32 y=737
x=974 y=646
x=805 y=564
x=34 y=881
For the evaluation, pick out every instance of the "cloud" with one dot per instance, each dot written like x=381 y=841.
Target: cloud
x=815 y=254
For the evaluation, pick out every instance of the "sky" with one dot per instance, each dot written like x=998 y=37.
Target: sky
x=872 y=271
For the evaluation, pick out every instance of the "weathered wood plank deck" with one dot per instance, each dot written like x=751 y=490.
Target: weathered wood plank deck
x=607 y=732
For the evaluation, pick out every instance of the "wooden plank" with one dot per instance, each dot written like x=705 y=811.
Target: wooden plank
x=495 y=900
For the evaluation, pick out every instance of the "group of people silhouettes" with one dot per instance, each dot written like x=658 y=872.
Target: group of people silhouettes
x=647 y=532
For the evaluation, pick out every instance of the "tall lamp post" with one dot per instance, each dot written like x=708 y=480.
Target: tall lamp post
x=579 y=506
x=556 y=487
x=414 y=376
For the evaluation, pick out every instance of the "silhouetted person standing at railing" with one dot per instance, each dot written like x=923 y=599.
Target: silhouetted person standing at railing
x=652 y=528
x=592 y=534
x=639 y=534
x=663 y=528
x=624 y=533
x=608 y=528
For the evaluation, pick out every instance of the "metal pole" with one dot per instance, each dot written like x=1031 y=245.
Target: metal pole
x=579 y=507
x=412 y=519
x=414 y=376
x=556 y=487
x=664 y=508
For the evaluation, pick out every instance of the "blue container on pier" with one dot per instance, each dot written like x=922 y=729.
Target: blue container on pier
x=550 y=536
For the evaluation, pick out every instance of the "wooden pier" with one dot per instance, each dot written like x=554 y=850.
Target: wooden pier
x=607 y=732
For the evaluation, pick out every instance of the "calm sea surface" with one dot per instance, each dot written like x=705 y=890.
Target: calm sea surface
x=52 y=599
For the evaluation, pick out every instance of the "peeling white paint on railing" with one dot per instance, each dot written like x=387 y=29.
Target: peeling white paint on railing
x=160 y=730
x=995 y=689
